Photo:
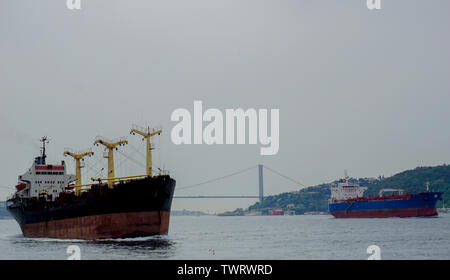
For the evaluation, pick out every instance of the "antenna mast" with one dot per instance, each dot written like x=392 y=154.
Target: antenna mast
x=43 y=155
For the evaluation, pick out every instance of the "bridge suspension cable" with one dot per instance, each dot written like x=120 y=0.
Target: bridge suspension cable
x=284 y=176
x=219 y=178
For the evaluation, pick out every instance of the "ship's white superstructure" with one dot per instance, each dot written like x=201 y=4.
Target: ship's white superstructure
x=346 y=190
x=43 y=180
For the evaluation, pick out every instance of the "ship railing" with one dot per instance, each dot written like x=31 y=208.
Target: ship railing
x=144 y=129
x=161 y=172
x=76 y=186
x=141 y=128
x=115 y=179
x=382 y=191
x=115 y=140
x=78 y=152
x=100 y=181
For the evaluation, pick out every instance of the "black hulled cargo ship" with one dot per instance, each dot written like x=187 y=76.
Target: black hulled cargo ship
x=47 y=202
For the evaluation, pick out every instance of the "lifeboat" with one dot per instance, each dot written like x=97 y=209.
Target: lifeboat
x=20 y=187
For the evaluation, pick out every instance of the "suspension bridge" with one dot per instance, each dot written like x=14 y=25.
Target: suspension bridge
x=260 y=196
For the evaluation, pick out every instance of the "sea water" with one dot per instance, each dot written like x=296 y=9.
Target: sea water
x=253 y=237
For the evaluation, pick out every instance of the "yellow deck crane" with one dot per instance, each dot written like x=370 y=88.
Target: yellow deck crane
x=78 y=157
x=147 y=134
x=110 y=145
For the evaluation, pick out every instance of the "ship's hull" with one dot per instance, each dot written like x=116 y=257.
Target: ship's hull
x=415 y=205
x=115 y=225
x=132 y=209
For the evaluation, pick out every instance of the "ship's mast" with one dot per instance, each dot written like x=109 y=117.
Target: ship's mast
x=147 y=134
x=110 y=145
x=77 y=156
x=43 y=155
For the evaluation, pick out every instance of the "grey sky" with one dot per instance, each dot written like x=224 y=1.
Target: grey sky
x=362 y=90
